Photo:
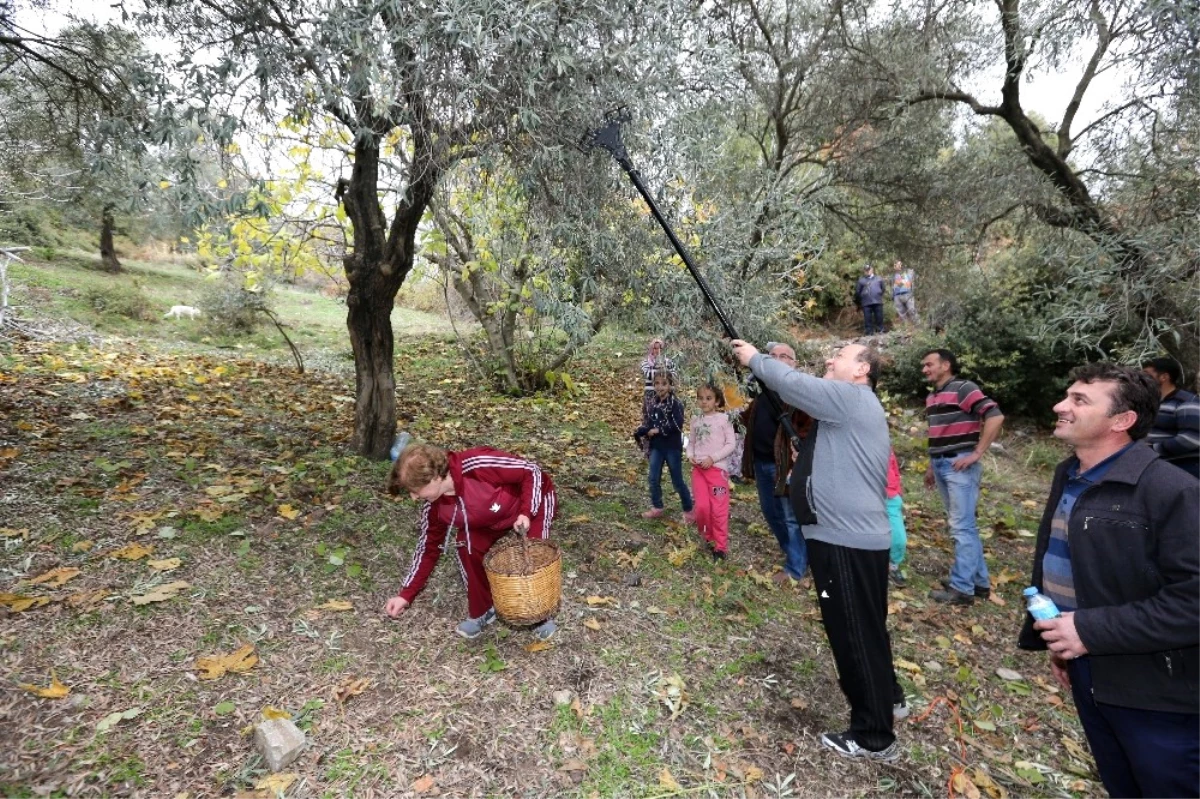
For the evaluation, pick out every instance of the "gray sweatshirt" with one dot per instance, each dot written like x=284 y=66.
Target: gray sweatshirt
x=839 y=482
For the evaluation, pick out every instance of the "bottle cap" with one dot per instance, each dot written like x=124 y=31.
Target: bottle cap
x=1030 y=591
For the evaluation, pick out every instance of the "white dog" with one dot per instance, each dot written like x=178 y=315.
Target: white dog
x=180 y=311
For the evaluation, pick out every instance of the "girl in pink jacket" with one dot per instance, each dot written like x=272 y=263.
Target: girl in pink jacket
x=710 y=445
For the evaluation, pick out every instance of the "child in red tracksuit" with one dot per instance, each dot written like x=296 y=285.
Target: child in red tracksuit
x=478 y=494
x=709 y=448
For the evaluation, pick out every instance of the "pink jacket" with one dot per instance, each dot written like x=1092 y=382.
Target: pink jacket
x=712 y=437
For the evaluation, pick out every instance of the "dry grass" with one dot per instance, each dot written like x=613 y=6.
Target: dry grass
x=118 y=445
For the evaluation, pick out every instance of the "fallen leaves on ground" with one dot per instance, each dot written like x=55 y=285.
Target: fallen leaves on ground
x=601 y=602
x=237 y=662
x=539 y=646
x=665 y=780
x=112 y=719
x=352 y=687
x=131 y=552
x=162 y=593
x=336 y=605
x=164 y=565
x=422 y=784
x=55 y=690
x=672 y=692
x=18 y=603
x=55 y=577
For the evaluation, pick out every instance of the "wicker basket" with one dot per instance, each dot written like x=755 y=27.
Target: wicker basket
x=526 y=579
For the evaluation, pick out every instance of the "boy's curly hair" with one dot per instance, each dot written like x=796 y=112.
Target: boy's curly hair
x=418 y=466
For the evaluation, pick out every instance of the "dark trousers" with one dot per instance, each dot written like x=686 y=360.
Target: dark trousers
x=852 y=587
x=872 y=319
x=1138 y=752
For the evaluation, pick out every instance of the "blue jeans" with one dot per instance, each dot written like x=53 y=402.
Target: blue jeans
x=872 y=319
x=960 y=494
x=781 y=519
x=674 y=460
x=1138 y=752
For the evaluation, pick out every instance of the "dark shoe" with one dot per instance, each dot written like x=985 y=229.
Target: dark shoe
x=718 y=554
x=981 y=591
x=897 y=577
x=952 y=597
x=844 y=744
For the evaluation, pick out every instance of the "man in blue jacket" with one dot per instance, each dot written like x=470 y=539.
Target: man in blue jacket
x=1118 y=551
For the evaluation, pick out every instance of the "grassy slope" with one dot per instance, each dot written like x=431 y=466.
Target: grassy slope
x=240 y=469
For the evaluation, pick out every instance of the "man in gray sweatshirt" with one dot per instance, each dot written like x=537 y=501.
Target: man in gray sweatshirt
x=838 y=488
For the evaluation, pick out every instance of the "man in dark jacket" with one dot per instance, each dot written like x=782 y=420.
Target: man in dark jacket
x=1176 y=432
x=1118 y=551
x=868 y=295
x=767 y=460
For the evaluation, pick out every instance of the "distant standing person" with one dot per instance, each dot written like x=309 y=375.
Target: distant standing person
x=767 y=460
x=837 y=493
x=654 y=362
x=963 y=423
x=1118 y=550
x=902 y=293
x=868 y=295
x=1176 y=432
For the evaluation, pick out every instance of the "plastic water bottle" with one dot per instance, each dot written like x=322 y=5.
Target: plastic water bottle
x=402 y=439
x=1041 y=607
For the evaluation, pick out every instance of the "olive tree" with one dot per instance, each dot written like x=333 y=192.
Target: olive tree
x=435 y=83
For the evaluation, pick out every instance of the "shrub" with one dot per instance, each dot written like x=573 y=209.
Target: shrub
x=231 y=308
x=120 y=299
x=997 y=333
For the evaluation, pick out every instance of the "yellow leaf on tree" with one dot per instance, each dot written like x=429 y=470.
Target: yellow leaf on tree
x=270 y=712
x=55 y=577
x=131 y=552
x=665 y=780
x=162 y=593
x=336 y=604
x=55 y=690
x=288 y=512
x=164 y=565
x=241 y=660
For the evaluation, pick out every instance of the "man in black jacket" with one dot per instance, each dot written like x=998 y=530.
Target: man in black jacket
x=1118 y=551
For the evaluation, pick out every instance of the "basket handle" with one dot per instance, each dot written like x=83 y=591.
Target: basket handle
x=524 y=551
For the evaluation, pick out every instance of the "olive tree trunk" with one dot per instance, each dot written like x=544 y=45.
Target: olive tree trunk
x=108 y=252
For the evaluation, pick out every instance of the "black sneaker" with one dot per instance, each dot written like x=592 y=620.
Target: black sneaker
x=952 y=597
x=981 y=591
x=718 y=554
x=844 y=744
x=897 y=577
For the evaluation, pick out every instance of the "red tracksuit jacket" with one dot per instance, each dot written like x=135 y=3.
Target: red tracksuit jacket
x=491 y=489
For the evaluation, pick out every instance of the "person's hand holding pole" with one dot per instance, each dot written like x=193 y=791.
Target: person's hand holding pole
x=743 y=351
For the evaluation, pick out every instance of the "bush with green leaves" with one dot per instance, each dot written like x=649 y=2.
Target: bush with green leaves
x=229 y=307
x=120 y=299
x=997 y=331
